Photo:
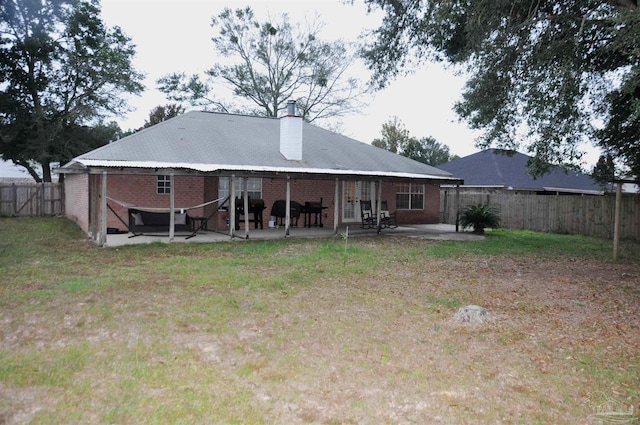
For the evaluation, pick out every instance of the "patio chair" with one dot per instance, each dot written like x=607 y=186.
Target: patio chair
x=366 y=215
x=387 y=219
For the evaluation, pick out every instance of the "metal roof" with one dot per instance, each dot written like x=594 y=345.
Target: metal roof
x=217 y=142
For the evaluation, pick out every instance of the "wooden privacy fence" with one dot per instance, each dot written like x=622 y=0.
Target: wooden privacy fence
x=31 y=199
x=589 y=215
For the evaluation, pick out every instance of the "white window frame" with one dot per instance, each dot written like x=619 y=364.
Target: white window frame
x=413 y=191
x=254 y=184
x=163 y=184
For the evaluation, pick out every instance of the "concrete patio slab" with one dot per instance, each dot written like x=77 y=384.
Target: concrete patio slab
x=423 y=231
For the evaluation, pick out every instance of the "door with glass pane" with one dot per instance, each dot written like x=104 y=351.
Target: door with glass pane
x=352 y=193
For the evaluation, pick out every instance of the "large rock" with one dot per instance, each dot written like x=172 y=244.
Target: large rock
x=472 y=314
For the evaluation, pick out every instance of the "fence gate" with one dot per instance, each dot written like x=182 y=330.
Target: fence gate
x=31 y=199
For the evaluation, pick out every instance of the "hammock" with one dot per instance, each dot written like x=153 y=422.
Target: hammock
x=161 y=209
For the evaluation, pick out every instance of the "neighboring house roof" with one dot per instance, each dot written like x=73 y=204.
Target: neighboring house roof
x=217 y=142
x=508 y=169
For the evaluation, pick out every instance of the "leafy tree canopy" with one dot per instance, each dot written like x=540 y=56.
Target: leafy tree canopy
x=62 y=70
x=547 y=74
x=162 y=113
x=395 y=138
x=269 y=64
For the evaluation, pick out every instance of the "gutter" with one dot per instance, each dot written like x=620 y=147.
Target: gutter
x=83 y=166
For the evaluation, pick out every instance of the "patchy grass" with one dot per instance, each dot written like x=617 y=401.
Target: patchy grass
x=314 y=331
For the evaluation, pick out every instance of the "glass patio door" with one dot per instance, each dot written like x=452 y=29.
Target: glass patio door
x=352 y=193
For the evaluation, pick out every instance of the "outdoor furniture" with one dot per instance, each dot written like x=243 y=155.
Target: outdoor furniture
x=279 y=211
x=366 y=215
x=141 y=222
x=199 y=223
x=387 y=219
x=313 y=209
x=256 y=207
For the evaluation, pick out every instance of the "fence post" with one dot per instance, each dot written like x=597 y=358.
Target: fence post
x=457 y=208
x=41 y=190
x=616 y=221
x=15 y=200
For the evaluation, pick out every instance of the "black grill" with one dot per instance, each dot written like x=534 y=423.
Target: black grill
x=313 y=208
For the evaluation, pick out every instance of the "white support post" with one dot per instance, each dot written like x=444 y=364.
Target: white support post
x=172 y=208
x=379 y=204
x=457 y=208
x=246 y=207
x=232 y=206
x=336 y=199
x=102 y=235
x=287 y=206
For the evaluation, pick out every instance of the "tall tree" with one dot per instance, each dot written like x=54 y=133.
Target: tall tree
x=62 y=71
x=396 y=138
x=428 y=151
x=604 y=170
x=269 y=64
x=162 y=113
x=542 y=72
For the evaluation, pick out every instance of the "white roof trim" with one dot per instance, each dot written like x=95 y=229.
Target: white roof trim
x=564 y=189
x=222 y=167
x=480 y=186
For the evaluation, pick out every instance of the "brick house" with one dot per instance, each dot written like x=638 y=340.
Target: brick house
x=193 y=162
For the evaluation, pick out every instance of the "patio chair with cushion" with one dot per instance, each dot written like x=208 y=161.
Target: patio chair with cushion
x=366 y=215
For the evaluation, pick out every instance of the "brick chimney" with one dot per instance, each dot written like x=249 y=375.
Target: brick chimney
x=291 y=134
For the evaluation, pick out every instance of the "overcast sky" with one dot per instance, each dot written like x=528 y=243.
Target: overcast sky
x=175 y=36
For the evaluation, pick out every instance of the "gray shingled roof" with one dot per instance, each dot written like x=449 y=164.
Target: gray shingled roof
x=209 y=141
x=494 y=167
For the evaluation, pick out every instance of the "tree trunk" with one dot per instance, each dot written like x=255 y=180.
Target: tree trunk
x=46 y=172
x=29 y=169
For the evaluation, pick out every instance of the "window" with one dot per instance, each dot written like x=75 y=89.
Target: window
x=410 y=196
x=164 y=184
x=254 y=186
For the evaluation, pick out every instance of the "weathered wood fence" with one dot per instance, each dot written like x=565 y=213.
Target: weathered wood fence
x=31 y=199
x=590 y=215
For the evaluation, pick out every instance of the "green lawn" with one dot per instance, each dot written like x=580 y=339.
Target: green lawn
x=327 y=331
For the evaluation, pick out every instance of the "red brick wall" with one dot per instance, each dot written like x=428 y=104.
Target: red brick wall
x=141 y=191
x=301 y=191
x=429 y=215
x=76 y=199
x=312 y=190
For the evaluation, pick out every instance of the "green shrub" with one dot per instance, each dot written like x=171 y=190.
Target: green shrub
x=480 y=217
